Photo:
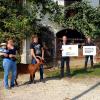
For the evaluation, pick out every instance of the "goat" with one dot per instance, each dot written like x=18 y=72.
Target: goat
x=28 y=69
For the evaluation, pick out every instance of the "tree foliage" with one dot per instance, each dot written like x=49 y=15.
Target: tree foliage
x=86 y=18
x=18 y=21
x=14 y=21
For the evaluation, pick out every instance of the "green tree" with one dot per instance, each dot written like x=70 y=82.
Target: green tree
x=84 y=18
x=18 y=21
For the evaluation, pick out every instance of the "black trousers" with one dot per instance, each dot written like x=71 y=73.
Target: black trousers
x=86 y=61
x=63 y=60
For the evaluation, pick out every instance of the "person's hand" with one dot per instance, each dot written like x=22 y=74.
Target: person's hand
x=98 y=52
x=5 y=55
x=42 y=58
x=61 y=49
x=2 y=54
x=11 y=56
x=37 y=60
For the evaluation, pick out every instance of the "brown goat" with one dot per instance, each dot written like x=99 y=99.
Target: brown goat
x=28 y=69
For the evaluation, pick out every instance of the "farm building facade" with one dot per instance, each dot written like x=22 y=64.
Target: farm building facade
x=51 y=35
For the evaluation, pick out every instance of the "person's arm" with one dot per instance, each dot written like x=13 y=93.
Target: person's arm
x=1 y=54
x=60 y=47
x=34 y=56
x=32 y=53
x=42 y=53
x=12 y=56
x=4 y=54
x=98 y=50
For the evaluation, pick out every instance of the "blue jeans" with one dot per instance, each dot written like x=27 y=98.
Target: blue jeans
x=8 y=66
x=41 y=68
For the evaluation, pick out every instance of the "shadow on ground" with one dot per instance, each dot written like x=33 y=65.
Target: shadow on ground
x=86 y=91
x=81 y=71
x=38 y=81
x=97 y=66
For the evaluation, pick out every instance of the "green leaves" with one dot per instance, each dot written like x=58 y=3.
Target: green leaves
x=18 y=22
x=82 y=17
x=13 y=23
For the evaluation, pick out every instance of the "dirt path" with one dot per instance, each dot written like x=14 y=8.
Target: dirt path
x=54 y=89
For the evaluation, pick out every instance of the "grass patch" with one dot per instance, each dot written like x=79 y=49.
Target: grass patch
x=1 y=69
x=52 y=74
x=77 y=73
x=1 y=73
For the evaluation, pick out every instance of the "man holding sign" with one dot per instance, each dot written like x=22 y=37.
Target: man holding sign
x=65 y=59
x=89 y=50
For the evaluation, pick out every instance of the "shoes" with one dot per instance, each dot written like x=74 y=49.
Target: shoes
x=68 y=75
x=7 y=88
x=42 y=80
x=61 y=77
x=12 y=86
x=30 y=82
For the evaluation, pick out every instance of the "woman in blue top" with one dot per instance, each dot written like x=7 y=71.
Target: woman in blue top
x=9 y=64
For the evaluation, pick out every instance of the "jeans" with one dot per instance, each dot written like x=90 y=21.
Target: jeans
x=63 y=60
x=86 y=61
x=41 y=68
x=8 y=66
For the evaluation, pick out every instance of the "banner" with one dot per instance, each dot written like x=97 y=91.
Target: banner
x=69 y=50
x=89 y=50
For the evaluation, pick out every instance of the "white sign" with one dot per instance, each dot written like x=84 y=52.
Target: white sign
x=89 y=50
x=69 y=50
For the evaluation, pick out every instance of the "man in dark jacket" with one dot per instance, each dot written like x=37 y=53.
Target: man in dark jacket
x=88 y=43
x=65 y=59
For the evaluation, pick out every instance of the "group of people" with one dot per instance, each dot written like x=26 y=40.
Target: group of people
x=9 y=62
x=9 y=59
x=67 y=59
x=36 y=49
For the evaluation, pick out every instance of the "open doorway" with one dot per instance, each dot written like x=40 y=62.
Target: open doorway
x=47 y=38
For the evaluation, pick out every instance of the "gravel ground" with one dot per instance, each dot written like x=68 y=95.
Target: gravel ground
x=53 y=89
